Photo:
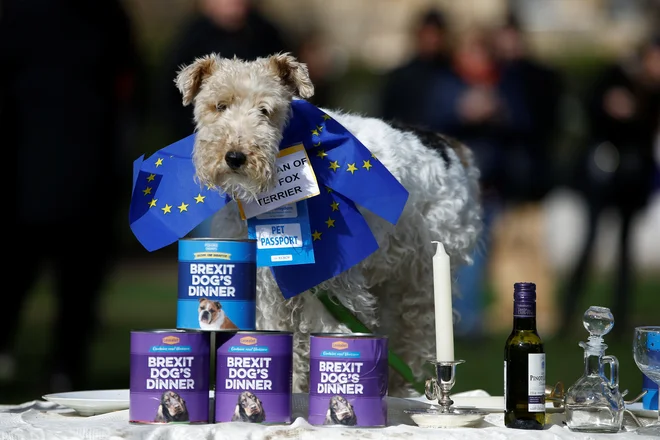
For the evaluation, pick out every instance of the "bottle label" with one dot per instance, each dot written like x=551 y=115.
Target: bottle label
x=524 y=309
x=536 y=382
x=505 y=363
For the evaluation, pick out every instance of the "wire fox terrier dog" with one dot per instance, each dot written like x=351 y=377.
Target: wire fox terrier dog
x=240 y=110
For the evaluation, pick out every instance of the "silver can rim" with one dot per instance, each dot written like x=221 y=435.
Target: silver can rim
x=167 y=330
x=260 y=332
x=220 y=240
x=349 y=335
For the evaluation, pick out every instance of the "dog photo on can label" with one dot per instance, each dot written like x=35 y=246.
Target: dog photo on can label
x=172 y=408
x=340 y=412
x=213 y=317
x=249 y=409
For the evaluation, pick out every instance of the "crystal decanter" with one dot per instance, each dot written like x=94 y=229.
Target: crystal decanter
x=594 y=403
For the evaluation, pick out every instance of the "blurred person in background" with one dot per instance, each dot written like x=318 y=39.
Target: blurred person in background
x=406 y=87
x=227 y=27
x=531 y=149
x=325 y=68
x=68 y=73
x=486 y=99
x=464 y=102
x=519 y=249
x=623 y=112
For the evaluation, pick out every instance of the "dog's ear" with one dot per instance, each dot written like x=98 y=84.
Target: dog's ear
x=293 y=74
x=159 y=413
x=217 y=304
x=201 y=299
x=189 y=79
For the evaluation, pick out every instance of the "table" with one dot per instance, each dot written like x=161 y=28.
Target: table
x=48 y=421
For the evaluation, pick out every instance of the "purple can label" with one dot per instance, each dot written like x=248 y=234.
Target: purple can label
x=254 y=375
x=348 y=380
x=169 y=377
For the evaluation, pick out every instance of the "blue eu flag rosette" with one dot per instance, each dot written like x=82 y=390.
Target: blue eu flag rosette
x=167 y=203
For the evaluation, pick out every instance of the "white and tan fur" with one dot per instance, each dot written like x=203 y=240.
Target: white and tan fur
x=211 y=316
x=242 y=107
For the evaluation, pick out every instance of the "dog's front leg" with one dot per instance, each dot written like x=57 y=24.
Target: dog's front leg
x=310 y=316
x=303 y=314
x=407 y=317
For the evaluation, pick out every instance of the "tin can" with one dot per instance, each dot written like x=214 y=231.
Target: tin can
x=254 y=376
x=348 y=380
x=217 y=284
x=169 y=380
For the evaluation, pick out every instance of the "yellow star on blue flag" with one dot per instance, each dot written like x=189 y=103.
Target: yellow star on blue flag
x=341 y=163
x=164 y=181
x=341 y=235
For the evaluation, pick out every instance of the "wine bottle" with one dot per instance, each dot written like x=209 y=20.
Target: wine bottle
x=524 y=364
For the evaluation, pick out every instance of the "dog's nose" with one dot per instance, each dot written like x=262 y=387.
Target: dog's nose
x=235 y=159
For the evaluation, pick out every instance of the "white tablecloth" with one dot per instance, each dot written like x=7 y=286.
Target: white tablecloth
x=49 y=421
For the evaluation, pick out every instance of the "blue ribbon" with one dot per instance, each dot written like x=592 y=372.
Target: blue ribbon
x=167 y=203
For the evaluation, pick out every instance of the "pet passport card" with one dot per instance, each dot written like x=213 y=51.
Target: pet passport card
x=283 y=235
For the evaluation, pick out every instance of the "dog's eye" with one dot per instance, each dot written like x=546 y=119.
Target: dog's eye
x=220 y=107
x=264 y=111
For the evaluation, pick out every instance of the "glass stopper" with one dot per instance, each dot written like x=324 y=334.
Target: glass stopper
x=598 y=320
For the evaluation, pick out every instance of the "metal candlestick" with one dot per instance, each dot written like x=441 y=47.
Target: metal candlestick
x=438 y=387
x=446 y=415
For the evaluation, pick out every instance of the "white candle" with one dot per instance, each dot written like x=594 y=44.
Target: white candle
x=444 y=325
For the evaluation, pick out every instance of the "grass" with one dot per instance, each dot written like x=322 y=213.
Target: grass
x=143 y=296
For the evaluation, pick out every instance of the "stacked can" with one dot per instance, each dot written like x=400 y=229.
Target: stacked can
x=216 y=347
x=217 y=284
x=348 y=380
x=254 y=374
x=173 y=371
x=169 y=377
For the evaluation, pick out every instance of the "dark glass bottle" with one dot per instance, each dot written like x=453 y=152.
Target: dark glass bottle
x=524 y=364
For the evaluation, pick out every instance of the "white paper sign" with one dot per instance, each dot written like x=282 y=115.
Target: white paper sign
x=295 y=181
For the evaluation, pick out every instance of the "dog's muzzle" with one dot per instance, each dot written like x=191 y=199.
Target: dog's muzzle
x=235 y=159
x=205 y=316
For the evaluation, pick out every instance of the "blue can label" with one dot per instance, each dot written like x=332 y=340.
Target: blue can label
x=217 y=284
